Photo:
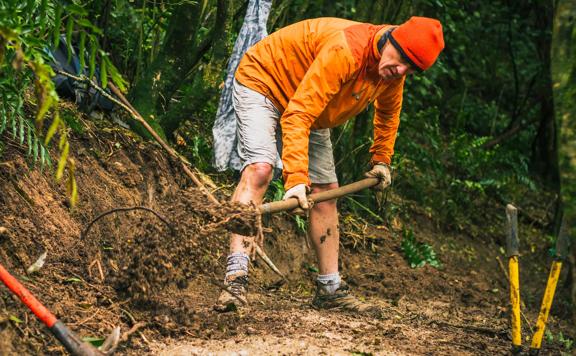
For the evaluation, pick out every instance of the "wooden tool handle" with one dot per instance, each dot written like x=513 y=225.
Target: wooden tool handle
x=286 y=205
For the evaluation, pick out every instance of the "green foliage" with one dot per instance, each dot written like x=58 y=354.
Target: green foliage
x=301 y=224
x=417 y=254
x=276 y=190
x=13 y=119
x=564 y=342
x=94 y=341
x=27 y=29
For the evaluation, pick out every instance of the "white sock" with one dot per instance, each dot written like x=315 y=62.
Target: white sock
x=237 y=262
x=329 y=282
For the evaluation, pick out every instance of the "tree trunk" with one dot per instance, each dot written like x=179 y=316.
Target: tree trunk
x=564 y=69
x=172 y=119
x=545 y=159
x=171 y=63
x=173 y=66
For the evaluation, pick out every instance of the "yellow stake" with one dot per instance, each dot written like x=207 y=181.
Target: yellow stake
x=512 y=253
x=515 y=301
x=546 y=304
x=562 y=248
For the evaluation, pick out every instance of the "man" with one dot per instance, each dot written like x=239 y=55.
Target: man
x=290 y=89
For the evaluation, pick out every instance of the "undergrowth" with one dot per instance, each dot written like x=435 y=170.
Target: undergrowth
x=418 y=254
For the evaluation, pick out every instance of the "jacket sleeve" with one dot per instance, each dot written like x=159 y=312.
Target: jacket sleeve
x=386 y=120
x=331 y=68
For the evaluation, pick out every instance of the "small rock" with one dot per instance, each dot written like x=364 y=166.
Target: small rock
x=3 y=231
x=250 y=331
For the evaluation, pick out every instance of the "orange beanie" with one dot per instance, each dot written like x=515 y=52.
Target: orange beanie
x=419 y=40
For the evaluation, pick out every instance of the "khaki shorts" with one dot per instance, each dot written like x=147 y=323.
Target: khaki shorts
x=260 y=137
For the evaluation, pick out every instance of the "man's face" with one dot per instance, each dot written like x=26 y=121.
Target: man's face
x=392 y=65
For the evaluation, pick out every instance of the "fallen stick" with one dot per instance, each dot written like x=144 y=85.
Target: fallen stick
x=268 y=261
x=183 y=161
x=132 y=330
x=125 y=104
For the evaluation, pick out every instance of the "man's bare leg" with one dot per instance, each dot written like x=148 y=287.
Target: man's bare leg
x=323 y=231
x=251 y=188
x=331 y=292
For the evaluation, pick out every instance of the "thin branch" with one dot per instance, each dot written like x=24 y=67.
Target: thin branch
x=132 y=330
x=87 y=229
x=509 y=133
x=125 y=104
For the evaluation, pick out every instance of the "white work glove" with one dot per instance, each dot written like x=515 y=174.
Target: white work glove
x=381 y=171
x=299 y=192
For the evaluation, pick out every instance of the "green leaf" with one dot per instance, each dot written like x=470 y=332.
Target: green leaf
x=29 y=140
x=44 y=158
x=62 y=161
x=76 y=9
x=86 y=23
x=57 y=24
x=21 y=126
x=92 y=63
x=71 y=186
x=3 y=115
x=116 y=77
x=73 y=280
x=35 y=148
x=52 y=128
x=104 y=73
x=82 y=50
x=312 y=268
x=15 y=319
x=94 y=341
x=69 y=29
x=43 y=8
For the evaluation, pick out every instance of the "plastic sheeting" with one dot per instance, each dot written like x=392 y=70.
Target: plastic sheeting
x=224 y=130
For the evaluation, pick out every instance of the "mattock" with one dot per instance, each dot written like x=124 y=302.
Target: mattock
x=71 y=341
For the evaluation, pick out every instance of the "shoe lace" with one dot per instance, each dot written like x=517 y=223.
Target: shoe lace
x=238 y=284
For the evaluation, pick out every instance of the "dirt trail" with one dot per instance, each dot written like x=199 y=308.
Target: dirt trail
x=156 y=282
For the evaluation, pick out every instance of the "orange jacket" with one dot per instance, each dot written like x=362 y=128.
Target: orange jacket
x=320 y=73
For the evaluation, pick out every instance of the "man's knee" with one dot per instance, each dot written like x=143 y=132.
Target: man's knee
x=258 y=174
x=318 y=188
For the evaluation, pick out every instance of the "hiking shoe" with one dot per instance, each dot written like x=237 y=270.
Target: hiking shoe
x=237 y=285
x=343 y=300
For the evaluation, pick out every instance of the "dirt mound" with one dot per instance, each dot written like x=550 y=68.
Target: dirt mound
x=125 y=265
x=160 y=253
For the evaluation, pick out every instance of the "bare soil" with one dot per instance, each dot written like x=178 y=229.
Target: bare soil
x=155 y=277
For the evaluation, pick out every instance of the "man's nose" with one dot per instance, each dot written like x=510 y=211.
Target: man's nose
x=402 y=69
